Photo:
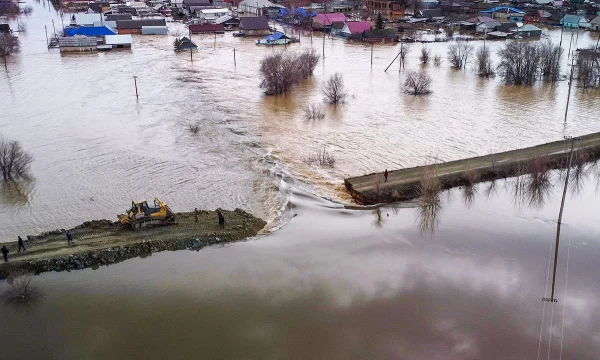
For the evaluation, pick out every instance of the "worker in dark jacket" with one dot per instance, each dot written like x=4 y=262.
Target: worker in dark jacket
x=21 y=244
x=5 y=253
x=221 y=219
x=69 y=237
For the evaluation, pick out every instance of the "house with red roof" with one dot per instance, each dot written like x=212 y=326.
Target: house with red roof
x=324 y=21
x=355 y=28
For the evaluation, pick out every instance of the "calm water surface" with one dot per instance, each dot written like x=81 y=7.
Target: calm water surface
x=338 y=283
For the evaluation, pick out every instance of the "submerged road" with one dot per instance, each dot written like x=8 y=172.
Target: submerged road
x=404 y=184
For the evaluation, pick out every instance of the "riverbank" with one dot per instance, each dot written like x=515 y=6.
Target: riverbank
x=103 y=242
x=404 y=184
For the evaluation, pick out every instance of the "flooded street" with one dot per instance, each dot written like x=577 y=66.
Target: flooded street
x=464 y=282
x=337 y=283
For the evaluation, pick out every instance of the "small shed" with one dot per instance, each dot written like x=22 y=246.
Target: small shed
x=595 y=23
x=184 y=44
x=77 y=44
x=207 y=29
x=322 y=21
x=155 y=30
x=118 y=41
x=529 y=30
x=355 y=27
x=379 y=35
x=254 y=26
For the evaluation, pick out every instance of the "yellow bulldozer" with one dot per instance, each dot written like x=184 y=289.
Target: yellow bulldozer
x=141 y=215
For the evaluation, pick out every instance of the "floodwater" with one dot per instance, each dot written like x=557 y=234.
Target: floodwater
x=96 y=147
x=343 y=284
x=463 y=282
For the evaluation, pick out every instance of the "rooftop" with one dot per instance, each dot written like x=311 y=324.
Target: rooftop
x=254 y=23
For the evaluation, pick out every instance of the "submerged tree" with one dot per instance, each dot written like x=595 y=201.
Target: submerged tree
x=9 y=44
x=588 y=69
x=459 y=54
x=14 y=161
x=550 y=56
x=280 y=72
x=483 y=61
x=425 y=55
x=417 y=83
x=519 y=63
x=334 y=90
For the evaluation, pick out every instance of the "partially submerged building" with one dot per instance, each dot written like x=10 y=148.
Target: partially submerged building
x=254 y=26
x=77 y=44
x=207 y=29
x=135 y=26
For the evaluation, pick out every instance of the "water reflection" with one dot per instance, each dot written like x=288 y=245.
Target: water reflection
x=14 y=193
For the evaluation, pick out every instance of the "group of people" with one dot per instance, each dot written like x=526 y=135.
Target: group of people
x=21 y=245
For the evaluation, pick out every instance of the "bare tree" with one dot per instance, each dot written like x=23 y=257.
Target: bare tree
x=14 y=161
x=588 y=69
x=484 y=62
x=425 y=55
x=9 y=44
x=323 y=158
x=417 y=83
x=313 y=112
x=550 y=56
x=280 y=72
x=404 y=50
x=459 y=54
x=20 y=289
x=519 y=63
x=437 y=60
x=334 y=90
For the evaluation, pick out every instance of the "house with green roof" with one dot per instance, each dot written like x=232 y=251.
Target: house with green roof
x=575 y=21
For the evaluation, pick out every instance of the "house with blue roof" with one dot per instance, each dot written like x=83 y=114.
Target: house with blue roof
x=575 y=21
x=277 y=38
x=90 y=31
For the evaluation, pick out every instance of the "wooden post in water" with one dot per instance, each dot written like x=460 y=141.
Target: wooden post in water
x=234 y=62
x=196 y=214
x=47 y=42
x=191 y=55
x=215 y=46
x=372 y=55
x=323 y=43
x=135 y=83
x=54 y=27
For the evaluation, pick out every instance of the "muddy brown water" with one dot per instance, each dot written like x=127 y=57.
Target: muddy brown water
x=333 y=282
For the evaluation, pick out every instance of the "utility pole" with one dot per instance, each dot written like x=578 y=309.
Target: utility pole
x=47 y=42
x=560 y=213
x=570 y=86
x=135 y=83
x=53 y=27
x=372 y=54
x=234 y=62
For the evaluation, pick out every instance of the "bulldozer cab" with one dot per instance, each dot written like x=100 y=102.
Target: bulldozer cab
x=142 y=215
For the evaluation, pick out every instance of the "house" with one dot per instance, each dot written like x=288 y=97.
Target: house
x=430 y=14
x=155 y=30
x=324 y=21
x=429 y=4
x=199 y=4
x=497 y=35
x=135 y=26
x=259 y=7
x=115 y=17
x=210 y=15
x=536 y=17
x=389 y=9
x=5 y=29
x=184 y=44
x=77 y=44
x=254 y=26
x=336 y=27
x=504 y=12
x=85 y=19
x=99 y=7
x=207 y=29
x=506 y=27
x=379 y=35
x=595 y=23
x=575 y=21
x=484 y=23
x=529 y=30
x=276 y=38
x=118 y=41
x=355 y=27
x=228 y=21
x=90 y=31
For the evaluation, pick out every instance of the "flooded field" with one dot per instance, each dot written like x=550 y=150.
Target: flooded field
x=96 y=147
x=339 y=283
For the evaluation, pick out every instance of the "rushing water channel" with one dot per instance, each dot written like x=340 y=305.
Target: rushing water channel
x=333 y=282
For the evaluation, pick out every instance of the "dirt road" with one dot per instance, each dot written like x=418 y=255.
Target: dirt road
x=103 y=242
